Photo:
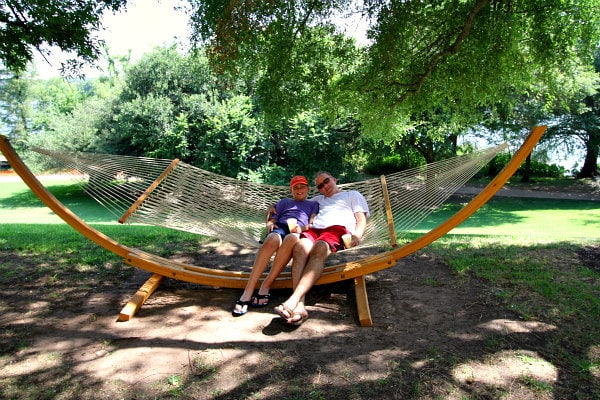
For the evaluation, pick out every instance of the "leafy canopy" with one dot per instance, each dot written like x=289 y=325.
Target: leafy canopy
x=455 y=57
x=37 y=25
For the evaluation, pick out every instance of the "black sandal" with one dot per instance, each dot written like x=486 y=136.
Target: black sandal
x=254 y=301
x=244 y=305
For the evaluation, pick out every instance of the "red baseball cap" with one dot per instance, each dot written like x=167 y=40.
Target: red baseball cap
x=297 y=180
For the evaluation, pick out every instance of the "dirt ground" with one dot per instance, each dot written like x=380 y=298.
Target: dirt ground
x=421 y=312
x=432 y=337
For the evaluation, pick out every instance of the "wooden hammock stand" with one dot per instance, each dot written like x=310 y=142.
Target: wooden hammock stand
x=356 y=270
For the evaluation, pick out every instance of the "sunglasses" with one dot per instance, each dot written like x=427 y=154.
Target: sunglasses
x=325 y=182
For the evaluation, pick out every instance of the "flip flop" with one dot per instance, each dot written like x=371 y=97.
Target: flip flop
x=255 y=300
x=244 y=305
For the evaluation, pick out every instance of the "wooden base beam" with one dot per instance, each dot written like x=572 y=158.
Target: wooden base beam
x=362 y=301
x=140 y=297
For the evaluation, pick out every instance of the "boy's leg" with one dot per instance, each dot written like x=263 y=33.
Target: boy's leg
x=270 y=245
x=282 y=258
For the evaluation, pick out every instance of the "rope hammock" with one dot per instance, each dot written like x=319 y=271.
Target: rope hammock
x=140 y=186
x=173 y=194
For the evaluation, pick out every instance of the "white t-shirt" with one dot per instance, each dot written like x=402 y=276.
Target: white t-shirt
x=339 y=209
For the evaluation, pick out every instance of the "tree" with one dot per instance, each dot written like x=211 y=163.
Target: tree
x=586 y=126
x=458 y=56
x=33 y=25
x=147 y=114
x=15 y=108
x=576 y=122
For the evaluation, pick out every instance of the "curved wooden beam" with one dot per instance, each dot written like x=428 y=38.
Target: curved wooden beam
x=232 y=279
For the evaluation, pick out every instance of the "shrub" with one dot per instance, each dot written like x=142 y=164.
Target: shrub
x=538 y=169
x=384 y=165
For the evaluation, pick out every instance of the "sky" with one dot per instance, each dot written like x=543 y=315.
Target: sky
x=143 y=26
x=146 y=24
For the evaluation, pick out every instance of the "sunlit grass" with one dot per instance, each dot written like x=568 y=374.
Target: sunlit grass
x=553 y=270
x=525 y=219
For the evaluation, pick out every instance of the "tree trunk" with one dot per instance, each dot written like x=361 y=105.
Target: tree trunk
x=526 y=177
x=454 y=143
x=590 y=165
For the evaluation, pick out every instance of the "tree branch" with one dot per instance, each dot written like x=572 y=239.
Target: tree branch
x=453 y=48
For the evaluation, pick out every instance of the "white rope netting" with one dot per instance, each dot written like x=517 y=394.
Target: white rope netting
x=190 y=199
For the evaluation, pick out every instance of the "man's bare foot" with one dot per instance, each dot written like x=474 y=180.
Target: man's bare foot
x=298 y=317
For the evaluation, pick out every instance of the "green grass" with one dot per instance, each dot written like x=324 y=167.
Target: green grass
x=538 y=219
x=32 y=230
x=512 y=242
x=553 y=271
x=20 y=205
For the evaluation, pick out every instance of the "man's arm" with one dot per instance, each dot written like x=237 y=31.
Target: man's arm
x=361 y=225
x=310 y=221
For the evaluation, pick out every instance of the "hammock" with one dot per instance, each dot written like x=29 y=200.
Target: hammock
x=419 y=185
x=177 y=195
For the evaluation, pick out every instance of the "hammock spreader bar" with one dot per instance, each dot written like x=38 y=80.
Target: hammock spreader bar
x=388 y=212
x=147 y=192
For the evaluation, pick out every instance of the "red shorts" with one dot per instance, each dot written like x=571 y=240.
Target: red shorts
x=332 y=235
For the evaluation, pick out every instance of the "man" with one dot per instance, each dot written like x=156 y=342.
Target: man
x=340 y=212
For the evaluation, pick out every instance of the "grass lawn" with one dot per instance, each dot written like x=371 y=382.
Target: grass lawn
x=526 y=218
x=506 y=241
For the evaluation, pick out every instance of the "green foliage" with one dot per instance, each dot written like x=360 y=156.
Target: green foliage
x=457 y=58
x=268 y=173
x=538 y=169
x=170 y=107
x=429 y=71
x=542 y=170
x=54 y=98
x=390 y=159
x=34 y=25
x=145 y=124
x=165 y=72
x=294 y=61
x=387 y=165
x=232 y=141
x=310 y=139
x=15 y=92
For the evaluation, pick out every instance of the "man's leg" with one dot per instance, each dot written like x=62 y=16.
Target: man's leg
x=306 y=275
x=301 y=253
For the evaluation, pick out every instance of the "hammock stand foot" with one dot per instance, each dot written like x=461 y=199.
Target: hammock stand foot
x=362 y=301
x=140 y=297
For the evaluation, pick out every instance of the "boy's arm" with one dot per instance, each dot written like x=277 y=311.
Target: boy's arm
x=270 y=219
x=310 y=221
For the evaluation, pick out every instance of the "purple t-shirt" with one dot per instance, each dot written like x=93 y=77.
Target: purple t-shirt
x=290 y=208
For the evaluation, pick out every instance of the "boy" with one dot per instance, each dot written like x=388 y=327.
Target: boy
x=298 y=208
